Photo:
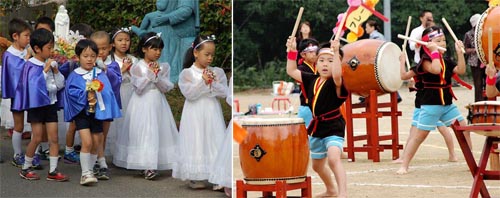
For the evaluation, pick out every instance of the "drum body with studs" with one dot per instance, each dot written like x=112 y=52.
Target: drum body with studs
x=489 y=19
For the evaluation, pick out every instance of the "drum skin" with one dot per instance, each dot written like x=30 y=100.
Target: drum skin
x=489 y=19
x=283 y=151
x=371 y=64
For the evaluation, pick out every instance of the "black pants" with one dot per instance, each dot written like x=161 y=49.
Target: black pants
x=479 y=76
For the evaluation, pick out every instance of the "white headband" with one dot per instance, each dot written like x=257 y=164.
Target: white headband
x=158 y=36
x=127 y=30
x=210 y=38
x=325 y=51
x=312 y=48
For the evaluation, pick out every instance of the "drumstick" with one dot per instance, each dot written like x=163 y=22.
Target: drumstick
x=341 y=25
x=418 y=41
x=297 y=21
x=406 y=41
x=490 y=48
x=451 y=32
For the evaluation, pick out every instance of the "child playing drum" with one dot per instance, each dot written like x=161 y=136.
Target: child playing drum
x=327 y=128
x=436 y=102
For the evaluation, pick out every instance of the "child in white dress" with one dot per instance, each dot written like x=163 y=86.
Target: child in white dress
x=202 y=125
x=148 y=139
x=120 y=52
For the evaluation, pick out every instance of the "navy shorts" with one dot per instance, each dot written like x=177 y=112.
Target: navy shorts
x=43 y=114
x=84 y=121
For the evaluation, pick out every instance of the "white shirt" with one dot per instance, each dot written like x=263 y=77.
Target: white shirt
x=416 y=33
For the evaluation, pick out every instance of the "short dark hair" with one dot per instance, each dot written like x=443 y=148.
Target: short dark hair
x=83 y=29
x=305 y=43
x=84 y=44
x=17 y=26
x=422 y=14
x=149 y=40
x=45 y=20
x=374 y=24
x=40 y=38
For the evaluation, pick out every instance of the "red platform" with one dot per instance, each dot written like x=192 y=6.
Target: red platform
x=479 y=172
x=280 y=187
x=372 y=137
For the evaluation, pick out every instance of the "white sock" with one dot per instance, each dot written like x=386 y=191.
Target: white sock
x=84 y=163
x=102 y=162
x=53 y=163
x=69 y=150
x=45 y=146
x=93 y=159
x=28 y=161
x=17 y=137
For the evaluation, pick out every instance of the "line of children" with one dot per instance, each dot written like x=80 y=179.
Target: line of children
x=437 y=95
x=37 y=93
x=327 y=129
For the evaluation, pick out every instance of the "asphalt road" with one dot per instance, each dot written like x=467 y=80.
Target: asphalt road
x=123 y=183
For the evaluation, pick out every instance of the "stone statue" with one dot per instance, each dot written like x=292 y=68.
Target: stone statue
x=62 y=22
x=179 y=23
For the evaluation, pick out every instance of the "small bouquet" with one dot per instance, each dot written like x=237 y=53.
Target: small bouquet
x=210 y=74
x=64 y=48
x=92 y=87
x=155 y=67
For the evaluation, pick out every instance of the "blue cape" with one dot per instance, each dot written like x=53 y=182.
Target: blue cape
x=12 y=66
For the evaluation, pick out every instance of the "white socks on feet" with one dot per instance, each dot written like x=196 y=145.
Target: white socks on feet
x=16 y=142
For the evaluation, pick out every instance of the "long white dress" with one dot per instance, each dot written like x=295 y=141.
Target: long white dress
x=126 y=90
x=222 y=167
x=149 y=137
x=202 y=124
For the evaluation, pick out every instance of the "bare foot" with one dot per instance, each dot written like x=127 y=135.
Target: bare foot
x=452 y=158
x=397 y=161
x=326 y=195
x=402 y=171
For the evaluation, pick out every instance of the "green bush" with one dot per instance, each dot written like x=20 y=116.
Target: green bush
x=249 y=77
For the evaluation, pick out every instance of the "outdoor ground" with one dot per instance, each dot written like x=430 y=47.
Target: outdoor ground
x=431 y=175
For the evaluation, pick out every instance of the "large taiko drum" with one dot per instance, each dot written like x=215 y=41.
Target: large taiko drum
x=371 y=64
x=484 y=113
x=274 y=149
x=489 y=19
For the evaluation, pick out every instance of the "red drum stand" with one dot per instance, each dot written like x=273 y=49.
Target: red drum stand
x=280 y=187
x=372 y=137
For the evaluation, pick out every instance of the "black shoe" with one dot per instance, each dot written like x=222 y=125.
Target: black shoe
x=362 y=100
x=399 y=100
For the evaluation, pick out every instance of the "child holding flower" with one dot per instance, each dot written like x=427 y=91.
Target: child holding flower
x=149 y=137
x=202 y=123
x=89 y=99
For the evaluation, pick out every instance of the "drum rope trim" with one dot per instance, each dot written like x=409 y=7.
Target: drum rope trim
x=268 y=125
x=377 y=77
x=264 y=181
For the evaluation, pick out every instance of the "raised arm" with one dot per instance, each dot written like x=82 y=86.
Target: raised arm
x=337 y=64
x=433 y=67
x=291 y=63
x=491 y=82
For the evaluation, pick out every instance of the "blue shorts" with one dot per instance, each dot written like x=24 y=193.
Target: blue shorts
x=319 y=146
x=430 y=114
x=306 y=114
x=416 y=114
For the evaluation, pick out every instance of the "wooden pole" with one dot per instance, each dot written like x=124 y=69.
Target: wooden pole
x=490 y=48
x=418 y=41
x=451 y=32
x=406 y=41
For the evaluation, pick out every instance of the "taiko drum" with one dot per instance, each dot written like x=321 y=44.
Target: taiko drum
x=371 y=64
x=274 y=149
x=489 y=19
